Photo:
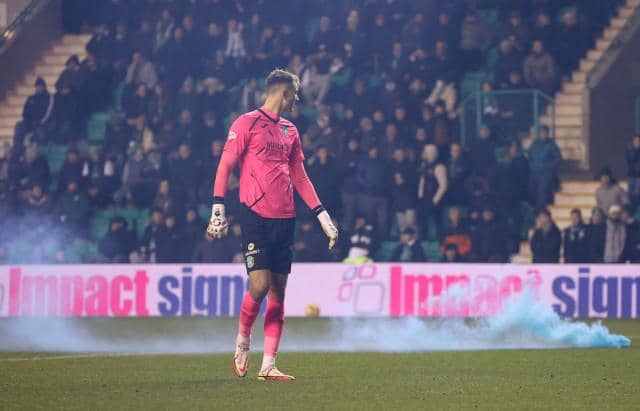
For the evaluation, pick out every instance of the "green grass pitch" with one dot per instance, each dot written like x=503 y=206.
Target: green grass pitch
x=578 y=379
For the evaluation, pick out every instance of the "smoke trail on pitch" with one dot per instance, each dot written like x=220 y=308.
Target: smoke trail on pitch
x=523 y=323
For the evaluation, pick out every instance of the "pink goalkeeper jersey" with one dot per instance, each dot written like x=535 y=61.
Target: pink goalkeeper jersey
x=270 y=154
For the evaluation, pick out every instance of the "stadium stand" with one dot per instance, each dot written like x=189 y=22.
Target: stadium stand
x=388 y=89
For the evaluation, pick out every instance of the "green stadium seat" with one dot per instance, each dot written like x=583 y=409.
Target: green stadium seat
x=97 y=126
x=385 y=250
x=431 y=250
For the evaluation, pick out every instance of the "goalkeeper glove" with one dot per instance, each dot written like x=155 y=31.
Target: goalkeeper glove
x=327 y=225
x=218 y=224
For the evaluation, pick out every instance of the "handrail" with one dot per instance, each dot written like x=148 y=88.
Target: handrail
x=13 y=29
x=535 y=94
x=616 y=44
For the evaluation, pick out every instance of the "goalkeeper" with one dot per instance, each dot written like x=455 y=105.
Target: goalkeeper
x=267 y=147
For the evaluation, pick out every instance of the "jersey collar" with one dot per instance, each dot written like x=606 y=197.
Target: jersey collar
x=271 y=116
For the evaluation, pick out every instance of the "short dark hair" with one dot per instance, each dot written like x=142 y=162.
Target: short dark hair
x=282 y=77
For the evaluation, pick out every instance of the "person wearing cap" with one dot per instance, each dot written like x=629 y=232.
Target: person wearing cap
x=409 y=250
x=38 y=106
x=609 y=192
x=616 y=235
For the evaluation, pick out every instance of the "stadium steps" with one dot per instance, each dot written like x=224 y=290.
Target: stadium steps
x=569 y=100
x=49 y=67
x=578 y=194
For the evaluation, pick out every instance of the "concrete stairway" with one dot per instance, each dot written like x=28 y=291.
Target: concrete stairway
x=49 y=68
x=569 y=100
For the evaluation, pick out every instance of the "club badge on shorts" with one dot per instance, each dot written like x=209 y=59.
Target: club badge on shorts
x=250 y=262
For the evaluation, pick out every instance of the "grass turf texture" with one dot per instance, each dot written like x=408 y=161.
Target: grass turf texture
x=511 y=379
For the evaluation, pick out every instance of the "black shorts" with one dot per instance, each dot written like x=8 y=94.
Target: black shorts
x=266 y=242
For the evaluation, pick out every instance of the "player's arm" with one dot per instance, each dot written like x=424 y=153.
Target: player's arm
x=302 y=183
x=233 y=149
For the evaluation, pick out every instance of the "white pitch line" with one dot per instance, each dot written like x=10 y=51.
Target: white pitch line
x=61 y=357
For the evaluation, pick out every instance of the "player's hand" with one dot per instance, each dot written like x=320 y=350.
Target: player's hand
x=328 y=227
x=218 y=224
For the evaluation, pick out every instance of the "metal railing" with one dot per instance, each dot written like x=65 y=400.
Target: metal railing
x=616 y=45
x=514 y=112
x=21 y=19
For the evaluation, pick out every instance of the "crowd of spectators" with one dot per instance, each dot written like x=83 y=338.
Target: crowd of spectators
x=378 y=120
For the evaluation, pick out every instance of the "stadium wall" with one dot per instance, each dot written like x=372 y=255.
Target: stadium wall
x=336 y=290
x=611 y=122
x=31 y=41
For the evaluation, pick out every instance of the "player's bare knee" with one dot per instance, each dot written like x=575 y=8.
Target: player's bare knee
x=276 y=293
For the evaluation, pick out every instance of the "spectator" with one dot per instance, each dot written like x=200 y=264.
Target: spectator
x=117 y=243
x=348 y=164
x=409 y=250
x=576 y=240
x=72 y=208
x=509 y=61
x=633 y=173
x=309 y=244
x=443 y=69
x=71 y=75
x=545 y=239
x=456 y=233
x=569 y=42
x=432 y=186
x=516 y=32
x=182 y=167
x=609 y=192
x=235 y=48
x=35 y=168
x=319 y=76
x=169 y=245
x=489 y=239
x=142 y=71
x=540 y=69
x=163 y=200
x=37 y=108
x=36 y=202
x=475 y=38
x=191 y=228
x=324 y=173
x=361 y=241
x=631 y=251
x=163 y=30
x=458 y=170
x=544 y=159
x=149 y=240
x=597 y=232
x=483 y=154
x=403 y=201
x=616 y=235
x=543 y=29
x=372 y=201
x=451 y=255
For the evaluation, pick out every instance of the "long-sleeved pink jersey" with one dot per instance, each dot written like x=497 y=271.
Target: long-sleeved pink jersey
x=271 y=164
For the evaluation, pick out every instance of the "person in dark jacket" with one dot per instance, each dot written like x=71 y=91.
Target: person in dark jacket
x=71 y=169
x=71 y=209
x=483 y=153
x=597 y=233
x=458 y=170
x=309 y=244
x=489 y=239
x=372 y=200
x=191 y=232
x=546 y=239
x=348 y=164
x=432 y=187
x=118 y=242
x=409 y=250
x=149 y=241
x=544 y=159
x=633 y=172
x=169 y=242
x=324 y=173
x=38 y=107
x=451 y=255
x=576 y=240
x=631 y=252
x=457 y=233
x=403 y=201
